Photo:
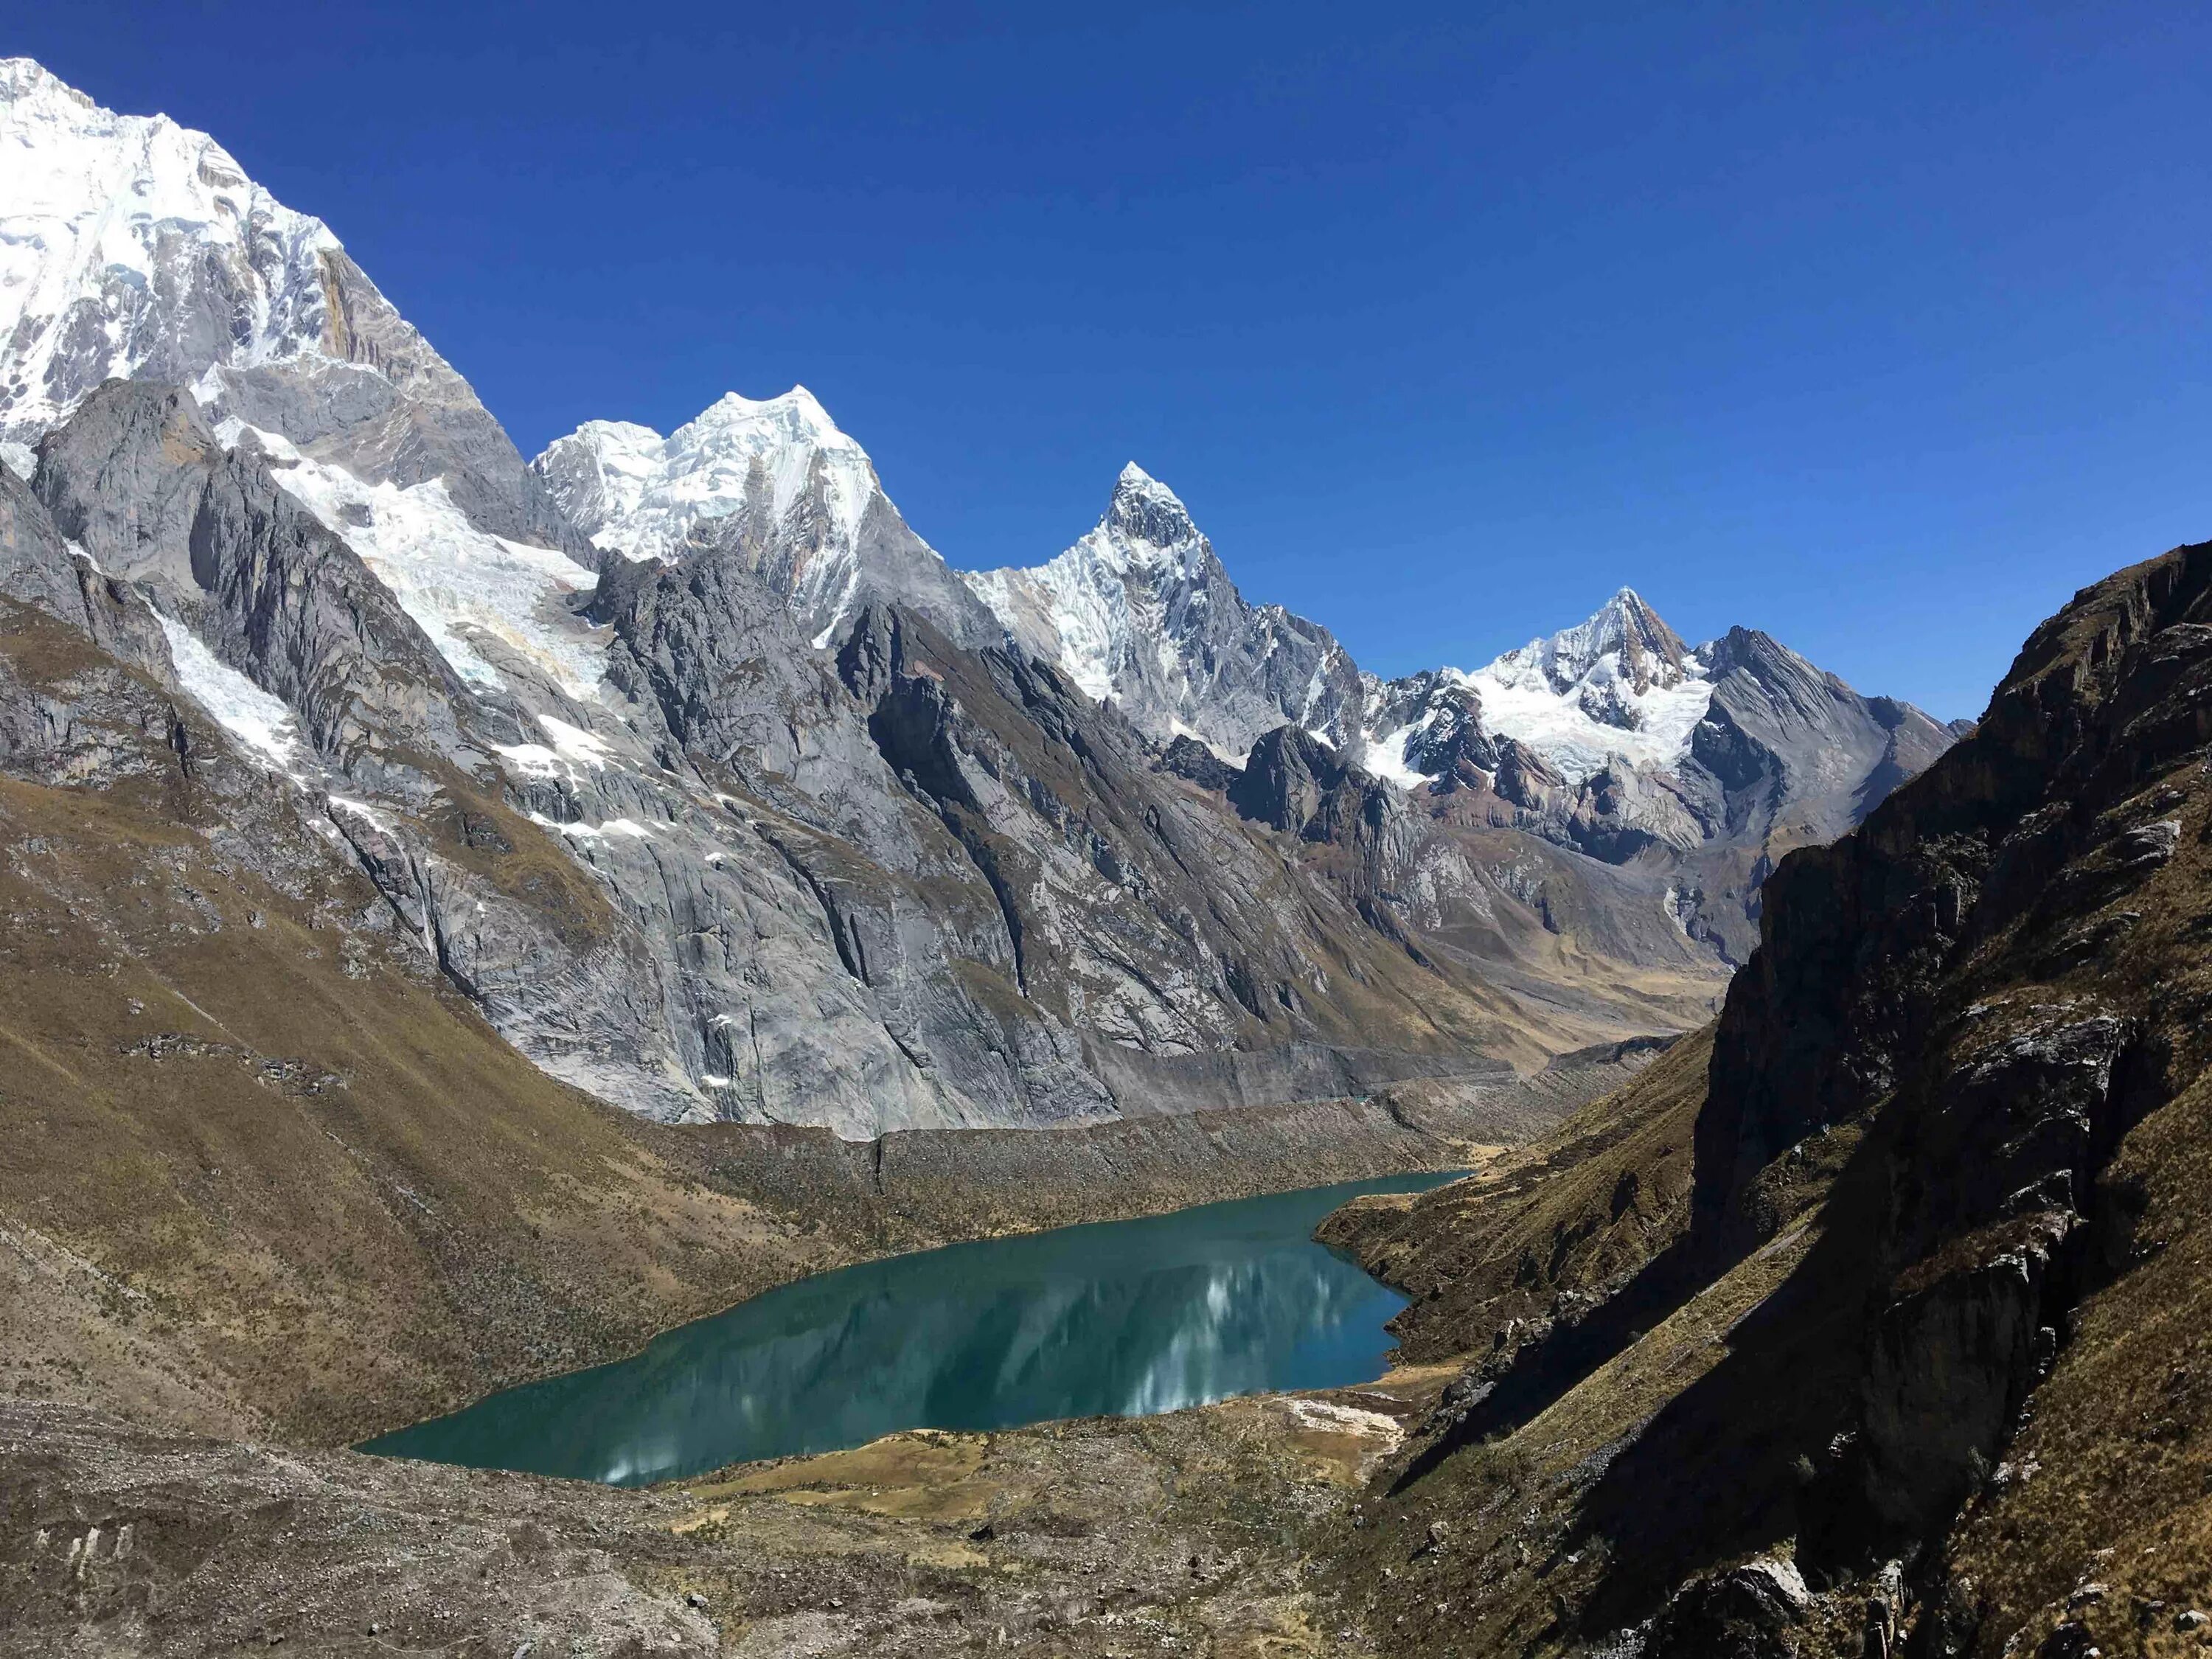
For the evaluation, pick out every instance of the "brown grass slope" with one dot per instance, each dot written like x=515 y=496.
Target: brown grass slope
x=1492 y=1259
x=265 y=1171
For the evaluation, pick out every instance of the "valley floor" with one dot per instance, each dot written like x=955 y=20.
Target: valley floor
x=1194 y=1532
x=170 y=1488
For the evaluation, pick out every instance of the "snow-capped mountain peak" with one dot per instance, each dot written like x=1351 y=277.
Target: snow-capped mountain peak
x=1147 y=526
x=25 y=80
x=1621 y=684
x=641 y=495
x=600 y=472
x=1623 y=640
x=774 y=481
x=797 y=413
x=1140 y=612
x=132 y=248
x=131 y=245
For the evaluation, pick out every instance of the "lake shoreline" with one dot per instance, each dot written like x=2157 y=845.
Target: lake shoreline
x=1140 y=1314
x=844 y=1203
x=835 y=1203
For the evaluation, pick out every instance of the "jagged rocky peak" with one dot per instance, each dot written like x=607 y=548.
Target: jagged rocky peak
x=1147 y=522
x=1087 y=611
x=1624 y=642
x=1620 y=686
x=1621 y=683
x=1142 y=613
x=1426 y=725
x=1294 y=783
x=1615 y=739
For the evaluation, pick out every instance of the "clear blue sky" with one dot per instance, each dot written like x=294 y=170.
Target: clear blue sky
x=1881 y=327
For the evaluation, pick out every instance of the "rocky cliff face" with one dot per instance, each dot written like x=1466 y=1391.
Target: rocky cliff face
x=912 y=886
x=1946 y=1207
x=1959 y=971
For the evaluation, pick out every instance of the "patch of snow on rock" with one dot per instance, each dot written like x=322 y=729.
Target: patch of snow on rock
x=263 y=723
x=1384 y=757
x=572 y=749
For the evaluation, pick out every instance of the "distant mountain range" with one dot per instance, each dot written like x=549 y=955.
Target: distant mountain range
x=721 y=794
x=1611 y=737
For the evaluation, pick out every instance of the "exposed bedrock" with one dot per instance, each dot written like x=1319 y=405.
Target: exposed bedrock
x=920 y=885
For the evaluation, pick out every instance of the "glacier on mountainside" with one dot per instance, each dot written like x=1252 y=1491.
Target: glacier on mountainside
x=464 y=586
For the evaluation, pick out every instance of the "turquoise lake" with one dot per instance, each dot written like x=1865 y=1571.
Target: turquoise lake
x=1115 y=1318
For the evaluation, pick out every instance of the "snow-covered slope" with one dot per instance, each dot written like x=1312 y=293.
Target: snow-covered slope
x=132 y=247
x=774 y=477
x=1142 y=613
x=1619 y=685
x=478 y=596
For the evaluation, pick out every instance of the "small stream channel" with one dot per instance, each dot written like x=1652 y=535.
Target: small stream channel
x=1122 y=1317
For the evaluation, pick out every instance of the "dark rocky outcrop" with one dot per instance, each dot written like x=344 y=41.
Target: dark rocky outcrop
x=1294 y=783
x=1749 y=1612
x=38 y=568
x=1187 y=757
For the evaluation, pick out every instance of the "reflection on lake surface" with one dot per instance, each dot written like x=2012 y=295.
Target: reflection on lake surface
x=1125 y=1317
